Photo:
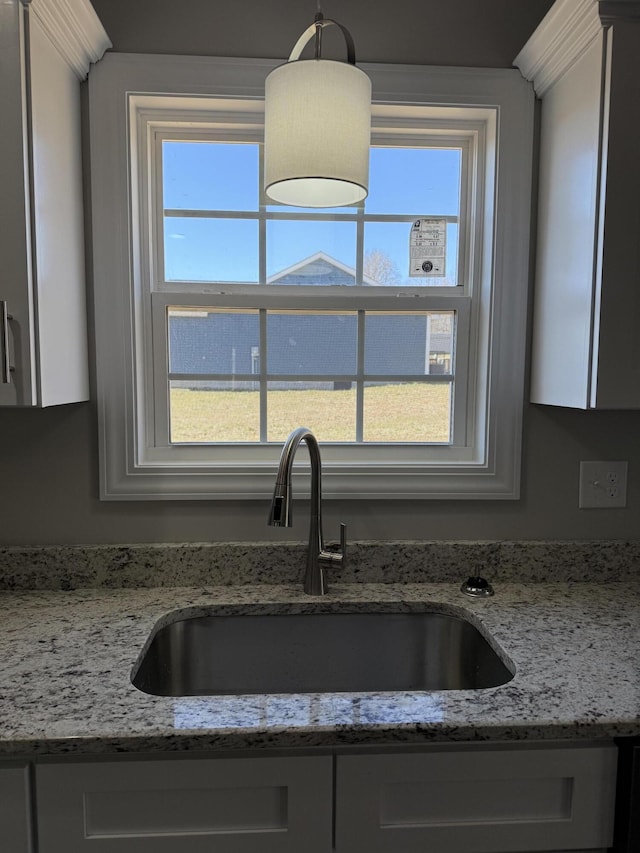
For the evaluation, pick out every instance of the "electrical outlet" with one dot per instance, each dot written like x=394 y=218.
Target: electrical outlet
x=603 y=484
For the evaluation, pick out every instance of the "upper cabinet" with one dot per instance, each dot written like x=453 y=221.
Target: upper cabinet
x=584 y=61
x=46 y=47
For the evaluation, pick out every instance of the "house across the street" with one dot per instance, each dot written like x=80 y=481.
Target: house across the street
x=216 y=344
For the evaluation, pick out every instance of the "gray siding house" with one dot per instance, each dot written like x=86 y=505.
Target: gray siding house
x=205 y=342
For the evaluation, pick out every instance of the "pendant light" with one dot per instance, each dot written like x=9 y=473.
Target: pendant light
x=317 y=127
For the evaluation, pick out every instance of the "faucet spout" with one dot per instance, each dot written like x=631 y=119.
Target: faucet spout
x=280 y=513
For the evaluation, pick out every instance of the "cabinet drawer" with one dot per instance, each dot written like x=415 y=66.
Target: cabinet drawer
x=476 y=801
x=15 y=809
x=240 y=805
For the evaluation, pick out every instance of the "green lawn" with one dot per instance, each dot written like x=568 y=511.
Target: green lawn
x=392 y=413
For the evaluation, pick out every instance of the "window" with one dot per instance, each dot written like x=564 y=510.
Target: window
x=393 y=329
x=366 y=375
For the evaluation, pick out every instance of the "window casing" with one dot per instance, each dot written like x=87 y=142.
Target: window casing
x=138 y=104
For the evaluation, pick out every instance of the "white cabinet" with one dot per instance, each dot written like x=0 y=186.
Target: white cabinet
x=584 y=60
x=486 y=800
x=15 y=808
x=45 y=50
x=226 y=805
x=465 y=798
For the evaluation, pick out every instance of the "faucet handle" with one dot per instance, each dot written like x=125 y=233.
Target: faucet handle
x=343 y=541
x=336 y=552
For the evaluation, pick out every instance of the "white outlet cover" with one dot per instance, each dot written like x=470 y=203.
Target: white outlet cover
x=603 y=485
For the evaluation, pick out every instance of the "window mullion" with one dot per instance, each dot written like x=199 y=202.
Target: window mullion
x=262 y=279
x=360 y=246
x=262 y=249
x=262 y=224
x=263 y=355
x=360 y=379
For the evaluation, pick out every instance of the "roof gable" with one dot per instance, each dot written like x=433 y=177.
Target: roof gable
x=318 y=269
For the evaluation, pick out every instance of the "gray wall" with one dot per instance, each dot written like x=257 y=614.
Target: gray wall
x=457 y=32
x=48 y=459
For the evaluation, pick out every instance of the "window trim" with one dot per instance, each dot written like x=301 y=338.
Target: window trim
x=127 y=469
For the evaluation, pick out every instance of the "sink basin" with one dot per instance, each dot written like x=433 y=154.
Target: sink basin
x=317 y=653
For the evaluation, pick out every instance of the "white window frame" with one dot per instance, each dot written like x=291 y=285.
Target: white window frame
x=157 y=119
x=124 y=91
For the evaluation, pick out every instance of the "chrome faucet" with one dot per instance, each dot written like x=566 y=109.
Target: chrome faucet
x=280 y=515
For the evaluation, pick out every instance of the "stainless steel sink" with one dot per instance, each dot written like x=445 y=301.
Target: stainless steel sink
x=318 y=653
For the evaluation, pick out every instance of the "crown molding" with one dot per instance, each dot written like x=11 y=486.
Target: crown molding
x=564 y=32
x=74 y=28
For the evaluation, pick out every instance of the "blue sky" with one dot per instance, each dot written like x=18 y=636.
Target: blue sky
x=222 y=176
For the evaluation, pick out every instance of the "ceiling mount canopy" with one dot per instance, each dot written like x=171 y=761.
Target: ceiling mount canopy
x=317 y=127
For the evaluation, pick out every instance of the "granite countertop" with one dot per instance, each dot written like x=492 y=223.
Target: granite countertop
x=66 y=661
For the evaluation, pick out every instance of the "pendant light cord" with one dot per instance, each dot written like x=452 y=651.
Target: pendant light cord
x=318 y=25
x=315 y=29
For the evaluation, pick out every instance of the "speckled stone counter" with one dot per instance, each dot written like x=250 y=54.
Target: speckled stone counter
x=66 y=659
x=68 y=567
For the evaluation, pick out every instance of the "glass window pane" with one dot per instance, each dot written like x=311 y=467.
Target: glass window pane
x=301 y=343
x=210 y=249
x=420 y=181
x=403 y=411
x=210 y=175
x=209 y=411
x=414 y=344
x=314 y=253
x=387 y=256
x=327 y=408
x=213 y=341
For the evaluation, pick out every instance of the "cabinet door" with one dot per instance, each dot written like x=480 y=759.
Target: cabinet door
x=567 y=221
x=60 y=320
x=42 y=274
x=476 y=801
x=585 y=351
x=237 y=805
x=617 y=358
x=18 y=388
x=15 y=809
